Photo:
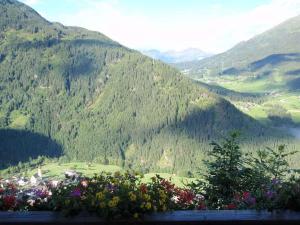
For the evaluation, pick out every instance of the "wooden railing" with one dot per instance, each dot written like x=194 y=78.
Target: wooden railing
x=211 y=217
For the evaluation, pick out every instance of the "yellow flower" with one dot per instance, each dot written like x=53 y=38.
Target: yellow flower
x=111 y=204
x=136 y=215
x=102 y=205
x=100 y=195
x=162 y=195
x=116 y=199
x=132 y=196
x=146 y=197
x=142 y=205
x=114 y=202
x=148 y=205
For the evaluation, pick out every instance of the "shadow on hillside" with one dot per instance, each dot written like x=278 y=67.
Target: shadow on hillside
x=294 y=85
x=218 y=121
x=21 y=145
x=293 y=72
x=274 y=60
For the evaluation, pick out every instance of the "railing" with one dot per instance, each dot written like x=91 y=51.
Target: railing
x=209 y=217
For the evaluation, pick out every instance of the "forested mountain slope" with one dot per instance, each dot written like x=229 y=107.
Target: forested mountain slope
x=99 y=101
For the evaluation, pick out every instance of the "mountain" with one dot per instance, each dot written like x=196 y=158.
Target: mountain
x=189 y=54
x=75 y=93
x=272 y=52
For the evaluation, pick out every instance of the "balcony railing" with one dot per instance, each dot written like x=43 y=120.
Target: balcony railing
x=209 y=217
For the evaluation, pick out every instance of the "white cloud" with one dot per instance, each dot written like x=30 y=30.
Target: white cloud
x=215 y=31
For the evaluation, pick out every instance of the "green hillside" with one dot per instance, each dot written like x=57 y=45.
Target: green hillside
x=90 y=99
x=267 y=66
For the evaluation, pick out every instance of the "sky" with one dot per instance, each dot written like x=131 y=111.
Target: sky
x=211 y=25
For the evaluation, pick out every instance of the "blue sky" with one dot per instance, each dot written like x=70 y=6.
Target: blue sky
x=211 y=25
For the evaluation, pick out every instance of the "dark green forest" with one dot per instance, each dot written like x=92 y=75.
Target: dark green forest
x=76 y=94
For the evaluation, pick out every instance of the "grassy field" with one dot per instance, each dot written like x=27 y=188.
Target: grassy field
x=274 y=88
x=56 y=171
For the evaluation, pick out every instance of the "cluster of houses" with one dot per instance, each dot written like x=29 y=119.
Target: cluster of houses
x=38 y=179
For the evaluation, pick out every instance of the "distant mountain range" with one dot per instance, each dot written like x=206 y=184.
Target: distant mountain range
x=190 y=54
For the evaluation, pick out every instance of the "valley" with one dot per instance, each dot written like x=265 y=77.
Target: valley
x=269 y=94
x=259 y=76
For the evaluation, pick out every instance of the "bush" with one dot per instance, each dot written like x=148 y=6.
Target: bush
x=237 y=180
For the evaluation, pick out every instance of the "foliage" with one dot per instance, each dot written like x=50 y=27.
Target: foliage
x=226 y=174
x=237 y=180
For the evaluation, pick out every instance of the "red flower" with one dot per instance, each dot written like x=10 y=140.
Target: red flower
x=237 y=197
x=1 y=191
x=231 y=206
x=185 y=196
x=246 y=195
x=201 y=206
x=167 y=185
x=9 y=201
x=143 y=188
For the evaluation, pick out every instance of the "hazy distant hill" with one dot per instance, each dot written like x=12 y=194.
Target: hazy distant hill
x=189 y=54
x=91 y=99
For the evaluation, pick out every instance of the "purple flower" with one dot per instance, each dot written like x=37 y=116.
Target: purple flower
x=40 y=193
x=275 y=181
x=111 y=188
x=76 y=193
x=270 y=194
x=251 y=200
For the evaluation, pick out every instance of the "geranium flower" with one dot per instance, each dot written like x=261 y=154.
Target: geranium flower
x=247 y=198
x=143 y=188
x=201 y=206
x=9 y=201
x=167 y=184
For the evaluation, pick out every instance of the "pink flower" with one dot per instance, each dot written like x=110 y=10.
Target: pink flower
x=84 y=183
x=246 y=195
